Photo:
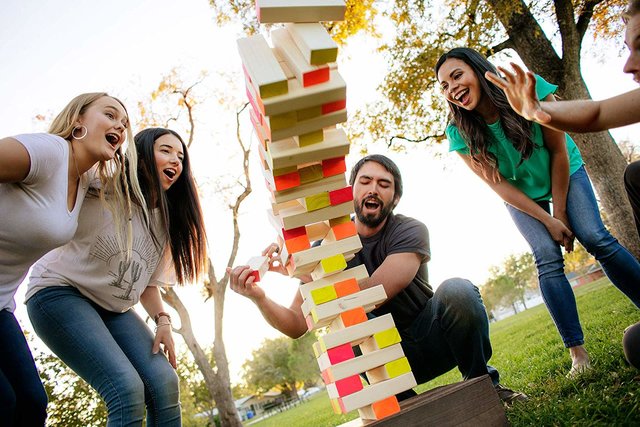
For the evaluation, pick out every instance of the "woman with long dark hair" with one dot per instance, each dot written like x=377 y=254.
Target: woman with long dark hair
x=80 y=295
x=532 y=168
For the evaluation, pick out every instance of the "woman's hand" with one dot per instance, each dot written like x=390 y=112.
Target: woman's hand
x=165 y=337
x=520 y=89
x=560 y=233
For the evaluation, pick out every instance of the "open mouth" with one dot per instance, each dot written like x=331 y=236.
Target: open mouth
x=462 y=96
x=169 y=173
x=372 y=203
x=113 y=139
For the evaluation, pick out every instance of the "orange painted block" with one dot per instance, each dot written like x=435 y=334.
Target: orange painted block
x=340 y=196
x=297 y=244
x=380 y=409
x=342 y=231
x=330 y=107
x=335 y=166
x=340 y=353
x=346 y=287
x=353 y=317
x=289 y=180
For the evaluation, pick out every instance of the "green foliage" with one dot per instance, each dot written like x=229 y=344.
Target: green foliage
x=529 y=354
x=194 y=394
x=508 y=284
x=281 y=363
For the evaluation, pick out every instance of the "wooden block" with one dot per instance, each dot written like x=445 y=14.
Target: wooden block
x=304 y=262
x=334 y=166
x=314 y=42
x=341 y=231
x=298 y=216
x=278 y=11
x=259 y=265
x=309 y=113
x=309 y=138
x=330 y=107
x=287 y=152
x=317 y=230
x=380 y=339
x=323 y=314
x=389 y=370
x=358 y=273
x=324 y=294
x=348 y=318
x=296 y=244
x=346 y=287
x=356 y=365
x=339 y=220
x=344 y=387
x=325 y=184
x=286 y=181
x=300 y=97
x=262 y=67
x=340 y=196
x=354 y=335
x=310 y=125
x=328 y=266
x=281 y=121
x=293 y=233
x=310 y=173
x=376 y=392
x=304 y=71
x=470 y=403
x=284 y=171
x=317 y=201
x=260 y=133
x=380 y=409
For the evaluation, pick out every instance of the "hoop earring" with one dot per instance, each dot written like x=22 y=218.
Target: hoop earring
x=73 y=132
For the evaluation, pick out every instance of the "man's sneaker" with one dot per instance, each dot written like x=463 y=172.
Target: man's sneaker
x=509 y=396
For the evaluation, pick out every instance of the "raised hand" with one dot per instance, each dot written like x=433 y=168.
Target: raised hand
x=520 y=89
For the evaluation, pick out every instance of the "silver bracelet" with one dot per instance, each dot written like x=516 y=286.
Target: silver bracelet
x=161 y=324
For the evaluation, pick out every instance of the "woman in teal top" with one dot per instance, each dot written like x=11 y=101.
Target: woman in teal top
x=528 y=167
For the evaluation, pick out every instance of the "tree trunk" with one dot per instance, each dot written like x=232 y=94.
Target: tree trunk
x=217 y=382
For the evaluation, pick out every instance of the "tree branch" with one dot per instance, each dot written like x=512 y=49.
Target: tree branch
x=434 y=136
x=585 y=17
x=507 y=44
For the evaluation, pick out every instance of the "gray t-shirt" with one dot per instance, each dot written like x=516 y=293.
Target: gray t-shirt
x=400 y=234
x=93 y=263
x=34 y=217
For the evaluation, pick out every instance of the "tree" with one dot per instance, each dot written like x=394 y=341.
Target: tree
x=410 y=106
x=521 y=270
x=509 y=283
x=216 y=377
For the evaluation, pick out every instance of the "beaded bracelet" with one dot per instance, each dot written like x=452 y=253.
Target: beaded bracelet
x=157 y=317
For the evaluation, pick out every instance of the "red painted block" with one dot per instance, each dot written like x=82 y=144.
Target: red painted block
x=340 y=353
x=315 y=77
x=286 y=181
x=342 y=195
x=254 y=107
x=348 y=385
x=294 y=232
x=331 y=107
x=332 y=167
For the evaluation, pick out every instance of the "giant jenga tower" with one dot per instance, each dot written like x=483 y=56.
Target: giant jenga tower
x=297 y=98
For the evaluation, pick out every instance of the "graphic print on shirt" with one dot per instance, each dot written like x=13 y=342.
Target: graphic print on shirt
x=125 y=274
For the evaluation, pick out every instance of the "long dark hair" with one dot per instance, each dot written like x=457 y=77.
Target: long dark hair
x=472 y=126
x=180 y=212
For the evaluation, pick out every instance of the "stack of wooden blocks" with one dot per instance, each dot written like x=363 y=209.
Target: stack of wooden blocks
x=297 y=97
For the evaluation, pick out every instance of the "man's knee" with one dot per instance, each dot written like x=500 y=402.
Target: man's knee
x=461 y=297
x=632 y=177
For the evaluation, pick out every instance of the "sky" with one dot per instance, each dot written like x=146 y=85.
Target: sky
x=52 y=51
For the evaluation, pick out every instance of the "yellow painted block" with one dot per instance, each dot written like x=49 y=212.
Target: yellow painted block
x=284 y=171
x=308 y=113
x=323 y=56
x=317 y=201
x=310 y=173
x=334 y=263
x=398 y=367
x=325 y=294
x=339 y=220
x=318 y=349
x=387 y=337
x=310 y=138
x=335 y=404
x=282 y=121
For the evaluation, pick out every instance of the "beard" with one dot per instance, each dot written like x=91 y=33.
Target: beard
x=372 y=220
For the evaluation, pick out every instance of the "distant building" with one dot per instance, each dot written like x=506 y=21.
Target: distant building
x=594 y=272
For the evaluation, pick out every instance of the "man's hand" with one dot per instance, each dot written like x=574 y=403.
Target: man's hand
x=241 y=282
x=275 y=262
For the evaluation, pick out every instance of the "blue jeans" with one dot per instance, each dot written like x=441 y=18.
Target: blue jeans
x=584 y=219
x=23 y=401
x=111 y=352
x=452 y=330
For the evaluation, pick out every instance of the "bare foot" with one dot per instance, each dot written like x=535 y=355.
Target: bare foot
x=579 y=361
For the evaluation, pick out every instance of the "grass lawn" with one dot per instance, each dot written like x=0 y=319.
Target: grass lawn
x=529 y=354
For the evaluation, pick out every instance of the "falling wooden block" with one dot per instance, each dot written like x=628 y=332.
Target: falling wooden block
x=356 y=365
x=340 y=196
x=287 y=152
x=306 y=73
x=323 y=314
x=348 y=318
x=376 y=392
x=262 y=67
x=381 y=339
x=389 y=370
x=328 y=266
x=317 y=201
x=278 y=11
x=314 y=42
x=358 y=273
x=309 y=138
x=259 y=265
x=380 y=409
x=344 y=387
x=325 y=184
x=334 y=166
x=354 y=335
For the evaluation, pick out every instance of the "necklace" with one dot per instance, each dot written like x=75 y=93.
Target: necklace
x=75 y=162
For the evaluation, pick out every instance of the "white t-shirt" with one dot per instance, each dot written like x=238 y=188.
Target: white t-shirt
x=93 y=263
x=34 y=217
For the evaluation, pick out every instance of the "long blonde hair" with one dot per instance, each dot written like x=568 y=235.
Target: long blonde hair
x=122 y=187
